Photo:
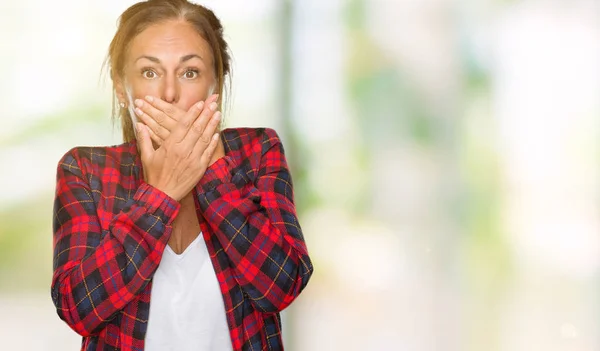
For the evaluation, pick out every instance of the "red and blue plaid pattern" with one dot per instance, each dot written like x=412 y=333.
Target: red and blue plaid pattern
x=110 y=230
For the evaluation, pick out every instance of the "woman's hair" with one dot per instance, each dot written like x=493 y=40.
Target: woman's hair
x=144 y=14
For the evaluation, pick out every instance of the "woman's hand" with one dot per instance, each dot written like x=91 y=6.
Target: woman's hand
x=161 y=117
x=179 y=163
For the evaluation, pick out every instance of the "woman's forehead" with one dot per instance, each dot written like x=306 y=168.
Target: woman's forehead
x=170 y=40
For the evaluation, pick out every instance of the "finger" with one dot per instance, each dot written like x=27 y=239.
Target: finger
x=156 y=130
x=201 y=105
x=205 y=142
x=155 y=138
x=181 y=130
x=203 y=128
x=144 y=142
x=211 y=104
x=205 y=154
x=212 y=127
x=212 y=98
x=161 y=111
x=203 y=108
x=201 y=122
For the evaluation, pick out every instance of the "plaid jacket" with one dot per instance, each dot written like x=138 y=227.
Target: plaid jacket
x=110 y=230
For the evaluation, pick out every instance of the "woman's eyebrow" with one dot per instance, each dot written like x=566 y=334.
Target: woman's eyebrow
x=151 y=58
x=189 y=57
x=181 y=60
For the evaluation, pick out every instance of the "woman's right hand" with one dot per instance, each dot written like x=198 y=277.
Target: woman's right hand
x=181 y=160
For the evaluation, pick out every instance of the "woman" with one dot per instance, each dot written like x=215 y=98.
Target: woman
x=185 y=237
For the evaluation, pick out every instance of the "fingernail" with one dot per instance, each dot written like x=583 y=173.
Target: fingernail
x=216 y=97
x=213 y=106
x=138 y=112
x=217 y=115
x=139 y=103
x=149 y=98
x=200 y=105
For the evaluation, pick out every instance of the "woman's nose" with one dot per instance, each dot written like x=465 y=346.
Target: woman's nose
x=170 y=89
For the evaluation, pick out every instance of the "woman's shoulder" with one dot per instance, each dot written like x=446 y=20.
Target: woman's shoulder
x=87 y=157
x=246 y=138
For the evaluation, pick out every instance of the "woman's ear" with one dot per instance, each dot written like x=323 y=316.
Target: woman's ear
x=120 y=89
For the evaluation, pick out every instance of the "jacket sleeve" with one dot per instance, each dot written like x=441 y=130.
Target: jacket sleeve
x=255 y=221
x=98 y=272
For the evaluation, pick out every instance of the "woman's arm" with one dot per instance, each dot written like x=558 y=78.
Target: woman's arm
x=97 y=273
x=256 y=224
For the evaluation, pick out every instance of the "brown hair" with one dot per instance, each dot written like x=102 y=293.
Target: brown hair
x=140 y=16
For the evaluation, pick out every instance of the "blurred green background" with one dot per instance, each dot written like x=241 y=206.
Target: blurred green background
x=445 y=156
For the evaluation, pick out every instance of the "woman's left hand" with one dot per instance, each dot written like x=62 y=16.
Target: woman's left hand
x=161 y=117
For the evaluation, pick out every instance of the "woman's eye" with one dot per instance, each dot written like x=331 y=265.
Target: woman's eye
x=191 y=74
x=148 y=74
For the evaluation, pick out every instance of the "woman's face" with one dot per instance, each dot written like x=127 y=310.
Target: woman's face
x=170 y=61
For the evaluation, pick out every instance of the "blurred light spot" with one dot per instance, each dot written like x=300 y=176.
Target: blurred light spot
x=568 y=331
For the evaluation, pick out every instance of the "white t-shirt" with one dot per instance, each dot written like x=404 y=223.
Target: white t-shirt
x=186 y=304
